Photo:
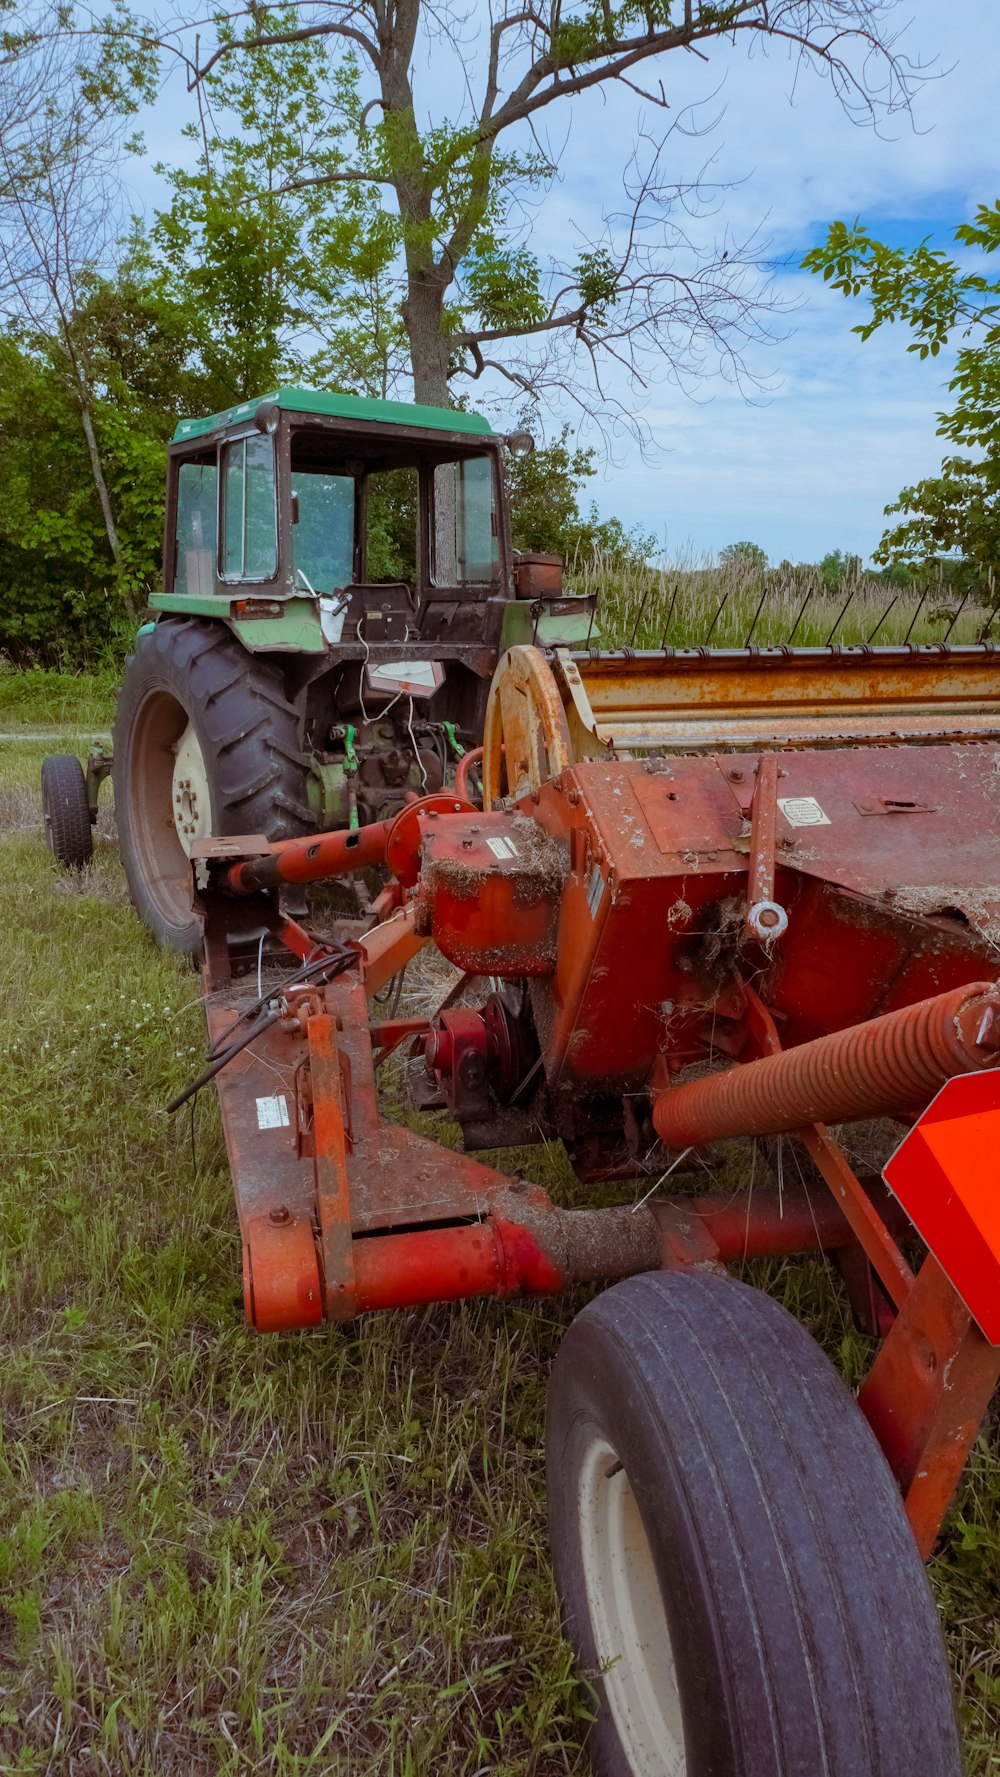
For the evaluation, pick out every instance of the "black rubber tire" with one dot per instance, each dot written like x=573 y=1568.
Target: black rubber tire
x=188 y=670
x=69 y=833
x=795 y=1604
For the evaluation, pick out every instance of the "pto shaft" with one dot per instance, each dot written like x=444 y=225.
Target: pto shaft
x=889 y=1064
x=313 y=858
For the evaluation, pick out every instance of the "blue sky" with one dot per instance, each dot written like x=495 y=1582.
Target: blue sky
x=810 y=465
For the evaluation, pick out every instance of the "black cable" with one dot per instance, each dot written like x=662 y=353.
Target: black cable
x=299 y=977
x=215 y=1066
x=323 y=969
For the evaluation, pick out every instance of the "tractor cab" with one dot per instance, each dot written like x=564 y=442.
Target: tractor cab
x=312 y=520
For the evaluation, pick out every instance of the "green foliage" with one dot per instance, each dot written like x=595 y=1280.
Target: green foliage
x=503 y=282
x=391 y=506
x=65 y=599
x=597 y=280
x=748 y=557
x=591 y=31
x=958 y=510
x=546 y=512
x=836 y=568
x=263 y=264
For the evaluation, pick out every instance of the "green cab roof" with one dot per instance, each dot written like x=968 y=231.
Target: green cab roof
x=341 y=407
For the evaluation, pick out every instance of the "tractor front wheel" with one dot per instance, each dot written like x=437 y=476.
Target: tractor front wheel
x=206 y=743
x=737 y=1573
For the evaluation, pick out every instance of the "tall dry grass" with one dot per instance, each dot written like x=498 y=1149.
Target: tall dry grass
x=693 y=602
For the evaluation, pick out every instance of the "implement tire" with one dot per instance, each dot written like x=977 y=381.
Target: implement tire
x=738 y=1576
x=66 y=811
x=205 y=744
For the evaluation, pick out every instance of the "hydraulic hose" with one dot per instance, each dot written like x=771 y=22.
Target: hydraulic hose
x=889 y=1064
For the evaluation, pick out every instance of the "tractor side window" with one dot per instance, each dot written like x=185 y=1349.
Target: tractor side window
x=323 y=537
x=392 y=507
x=195 y=533
x=465 y=541
x=249 y=510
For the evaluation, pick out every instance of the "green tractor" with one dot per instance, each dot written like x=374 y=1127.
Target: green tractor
x=338 y=585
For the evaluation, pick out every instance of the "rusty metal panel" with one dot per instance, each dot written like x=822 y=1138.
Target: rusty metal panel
x=914 y=826
x=813 y=697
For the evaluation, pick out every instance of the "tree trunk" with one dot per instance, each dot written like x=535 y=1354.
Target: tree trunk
x=101 y=485
x=423 y=318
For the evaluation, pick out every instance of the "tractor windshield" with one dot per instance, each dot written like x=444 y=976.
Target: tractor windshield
x=401 y=513
x=323 y=507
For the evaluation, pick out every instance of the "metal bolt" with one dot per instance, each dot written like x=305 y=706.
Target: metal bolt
x=736 y=777
x=467 y=844
x=280 y=1214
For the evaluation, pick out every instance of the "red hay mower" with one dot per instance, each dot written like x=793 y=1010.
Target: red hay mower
x=707 y=896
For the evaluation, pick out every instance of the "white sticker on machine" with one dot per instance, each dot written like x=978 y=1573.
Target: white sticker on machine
x=272 y=1113
x=595 y=891
x=502 y=848
x=803 y=811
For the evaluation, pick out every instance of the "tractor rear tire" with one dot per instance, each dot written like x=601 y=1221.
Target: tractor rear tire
x=68 y=830
x=738 y=1576
x=192 y=693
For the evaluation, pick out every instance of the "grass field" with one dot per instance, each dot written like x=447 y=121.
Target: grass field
x=227 y=1554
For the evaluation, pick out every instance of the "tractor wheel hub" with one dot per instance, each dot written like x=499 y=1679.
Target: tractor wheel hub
x=191 y=804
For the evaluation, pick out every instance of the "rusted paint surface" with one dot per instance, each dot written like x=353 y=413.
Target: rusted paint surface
x=764 y=1223
x=813 y=697
x=321 y=857
x=621 y=887
x=490 y=890
x=389 y=947
x=526 y=729
x=282 y=1287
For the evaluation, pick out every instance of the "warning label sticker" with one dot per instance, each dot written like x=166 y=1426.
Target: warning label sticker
x=272 y=1113
x=502 y=848
x=803 y=811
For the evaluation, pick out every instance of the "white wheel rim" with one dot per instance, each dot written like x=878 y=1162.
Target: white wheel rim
x=191 y=803
x=627 y=1618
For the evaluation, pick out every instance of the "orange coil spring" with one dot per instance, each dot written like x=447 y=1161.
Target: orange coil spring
x=893 y=1063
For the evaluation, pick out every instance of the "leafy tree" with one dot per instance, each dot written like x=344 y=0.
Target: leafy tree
x=441 y=203
x=748 y=558
x=836 y=568
x=287 y=278
x=958 y=510
x=57 y=190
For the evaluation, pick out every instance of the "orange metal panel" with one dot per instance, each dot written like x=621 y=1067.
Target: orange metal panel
x=330 y=1145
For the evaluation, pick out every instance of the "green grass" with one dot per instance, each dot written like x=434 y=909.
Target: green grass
x=227 y=1554
x=34 y=697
